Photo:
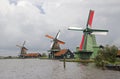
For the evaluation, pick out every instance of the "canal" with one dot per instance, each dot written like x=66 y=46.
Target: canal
x=51 y=69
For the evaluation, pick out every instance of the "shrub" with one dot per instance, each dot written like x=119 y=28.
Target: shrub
x=106 y=55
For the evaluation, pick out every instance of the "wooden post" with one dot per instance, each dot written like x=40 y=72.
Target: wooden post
x=64 y=63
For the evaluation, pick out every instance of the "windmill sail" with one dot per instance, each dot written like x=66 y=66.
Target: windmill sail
x=48 y=36
x=81 y=44
x=58 y=34
x=75 y=28
x=19 y=46
x=24 y=43
x=60 y=42
x=90 y=18
x=99 y=33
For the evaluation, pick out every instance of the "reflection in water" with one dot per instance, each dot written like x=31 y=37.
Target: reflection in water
x=51 y=69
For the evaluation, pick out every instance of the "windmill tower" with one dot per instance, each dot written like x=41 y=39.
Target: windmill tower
x=55 y=45
x=23 y=49
x=88 y=46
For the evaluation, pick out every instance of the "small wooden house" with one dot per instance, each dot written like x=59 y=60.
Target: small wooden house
x=64 y=53
x=32 y=55
x=118 y=54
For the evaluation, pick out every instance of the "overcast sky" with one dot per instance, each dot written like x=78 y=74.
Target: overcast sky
x=30 y=20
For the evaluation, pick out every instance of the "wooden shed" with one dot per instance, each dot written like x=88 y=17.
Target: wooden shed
x=64 y=52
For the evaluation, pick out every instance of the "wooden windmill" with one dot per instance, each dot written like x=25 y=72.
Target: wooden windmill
x=23 y=49
x=55 y=45
x=88 y=46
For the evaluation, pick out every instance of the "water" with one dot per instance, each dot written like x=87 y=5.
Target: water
x=51 y=69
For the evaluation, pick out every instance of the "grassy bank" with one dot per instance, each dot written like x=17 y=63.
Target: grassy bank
x=78 y=60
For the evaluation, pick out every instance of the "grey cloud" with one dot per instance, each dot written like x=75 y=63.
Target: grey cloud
x=13 y=2
x=23 y=21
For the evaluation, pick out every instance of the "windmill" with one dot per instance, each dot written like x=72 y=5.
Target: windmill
x=55 y=45
x=88 y=46
x=23 y=49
